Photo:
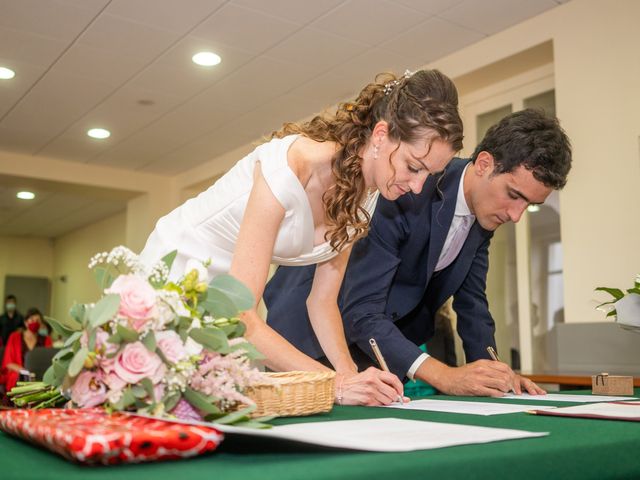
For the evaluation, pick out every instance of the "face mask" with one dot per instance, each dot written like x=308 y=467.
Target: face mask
x=10 y=307
x=43 y=332
x=33 y=327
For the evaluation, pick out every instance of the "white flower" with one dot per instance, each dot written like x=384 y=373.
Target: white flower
x=170 y=306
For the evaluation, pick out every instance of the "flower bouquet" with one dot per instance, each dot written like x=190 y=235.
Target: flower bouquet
x=153 y=346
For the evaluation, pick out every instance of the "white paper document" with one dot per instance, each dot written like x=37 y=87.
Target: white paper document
x=613 y=411
x=560 y=397
x=384 y=434
x=472 y=408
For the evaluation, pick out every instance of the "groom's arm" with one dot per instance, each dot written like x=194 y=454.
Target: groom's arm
x=372 y=268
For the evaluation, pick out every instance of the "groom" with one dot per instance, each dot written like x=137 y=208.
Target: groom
x=424 y=248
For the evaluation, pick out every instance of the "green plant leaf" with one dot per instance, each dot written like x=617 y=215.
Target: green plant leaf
x=213 y=339
x=78 y=312
x=104 y=275
x=127 y=334
x=170 y=401
x=147 y=385
x=75 y=366
x=236 y=416
x=149 y=341
x=250 y=350
x=218 y=304
x=104 y=310
x=138 y=391
x=614 y=292
x=201 y=402
x=169 y=258
x=253 y=424
x=49 y=377
x=72 y=338
x=235 y=290
x=635 y=290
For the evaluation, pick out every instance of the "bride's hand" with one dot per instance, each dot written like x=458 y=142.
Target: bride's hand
x=372 y=387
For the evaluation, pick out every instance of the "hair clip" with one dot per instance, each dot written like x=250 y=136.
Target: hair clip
x=388 y=87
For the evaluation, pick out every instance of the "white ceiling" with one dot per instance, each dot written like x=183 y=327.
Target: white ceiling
x=86 y=63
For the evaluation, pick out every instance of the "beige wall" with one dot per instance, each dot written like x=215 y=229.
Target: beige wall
x=25 y=256
x=597 y=84
x=71 y=254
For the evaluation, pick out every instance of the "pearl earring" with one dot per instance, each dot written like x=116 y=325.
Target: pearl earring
x=375 y=152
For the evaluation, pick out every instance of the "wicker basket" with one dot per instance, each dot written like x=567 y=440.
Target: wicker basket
x=291 y=394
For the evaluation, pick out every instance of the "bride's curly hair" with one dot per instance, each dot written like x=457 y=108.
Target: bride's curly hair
x=424 y=103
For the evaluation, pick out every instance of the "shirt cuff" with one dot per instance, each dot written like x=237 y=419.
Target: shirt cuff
x=415 y=365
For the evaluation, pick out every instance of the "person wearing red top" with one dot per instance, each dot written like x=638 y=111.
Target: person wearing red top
x=34 y=334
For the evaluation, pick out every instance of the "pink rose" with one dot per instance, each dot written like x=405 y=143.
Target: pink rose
x=137 y=299
x=88 y=390
x=171 y=346
x=136 y=362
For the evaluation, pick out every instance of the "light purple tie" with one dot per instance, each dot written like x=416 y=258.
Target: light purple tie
x=450 y=252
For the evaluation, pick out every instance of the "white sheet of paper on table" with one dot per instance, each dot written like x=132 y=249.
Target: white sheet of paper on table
x=384 y=434
x=466 y=407
x=623 y=410
x=560 y=397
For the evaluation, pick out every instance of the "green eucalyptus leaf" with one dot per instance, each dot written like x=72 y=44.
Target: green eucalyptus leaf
x=116 y=339
x=78 y=361
x=250 y=350
x=72 y=338
x=104 y=310
x=147 y=385
x=104 y=275
x=149 y=341
x=49 y=377
x=236 y=416
x=211 y=338
x=127 y=334
x=92 y=339
x=78 y=313
x=138 y=391
x=170 y=401
x=218 y=304
x=60 y=368
x=169 y=258
x=201 y=402
x=233 y=289
x=252 y=424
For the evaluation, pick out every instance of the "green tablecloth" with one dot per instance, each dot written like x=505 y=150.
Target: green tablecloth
x=576 y=448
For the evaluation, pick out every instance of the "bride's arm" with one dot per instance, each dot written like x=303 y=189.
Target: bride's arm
x=324 y=313
x=250 y=265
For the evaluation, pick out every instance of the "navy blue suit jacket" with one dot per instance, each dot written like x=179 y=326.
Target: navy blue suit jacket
x=390 y=291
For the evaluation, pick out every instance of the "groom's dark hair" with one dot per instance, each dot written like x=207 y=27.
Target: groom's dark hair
x=531 y=139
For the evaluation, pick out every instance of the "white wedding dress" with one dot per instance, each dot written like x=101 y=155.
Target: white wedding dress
x=206 y=227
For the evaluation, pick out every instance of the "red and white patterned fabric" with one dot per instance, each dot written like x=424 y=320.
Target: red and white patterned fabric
x=94 y=436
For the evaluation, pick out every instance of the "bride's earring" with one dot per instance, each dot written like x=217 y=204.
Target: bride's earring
x=375 y=153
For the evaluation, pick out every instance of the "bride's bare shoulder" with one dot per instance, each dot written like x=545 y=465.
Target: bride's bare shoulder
x=306 y=153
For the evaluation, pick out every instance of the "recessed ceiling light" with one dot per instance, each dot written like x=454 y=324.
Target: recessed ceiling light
x=206 y=59
x=6 y=73
x=26 y=195
x=533 y=208
x=99 y=133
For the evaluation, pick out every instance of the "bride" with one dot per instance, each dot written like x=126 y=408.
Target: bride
x=304 y=197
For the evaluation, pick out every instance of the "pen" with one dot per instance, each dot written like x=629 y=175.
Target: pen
x=493 y=353
x=494 y=356
x=381 y=361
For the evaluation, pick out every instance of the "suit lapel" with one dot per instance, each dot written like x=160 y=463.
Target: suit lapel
x=442 y=209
